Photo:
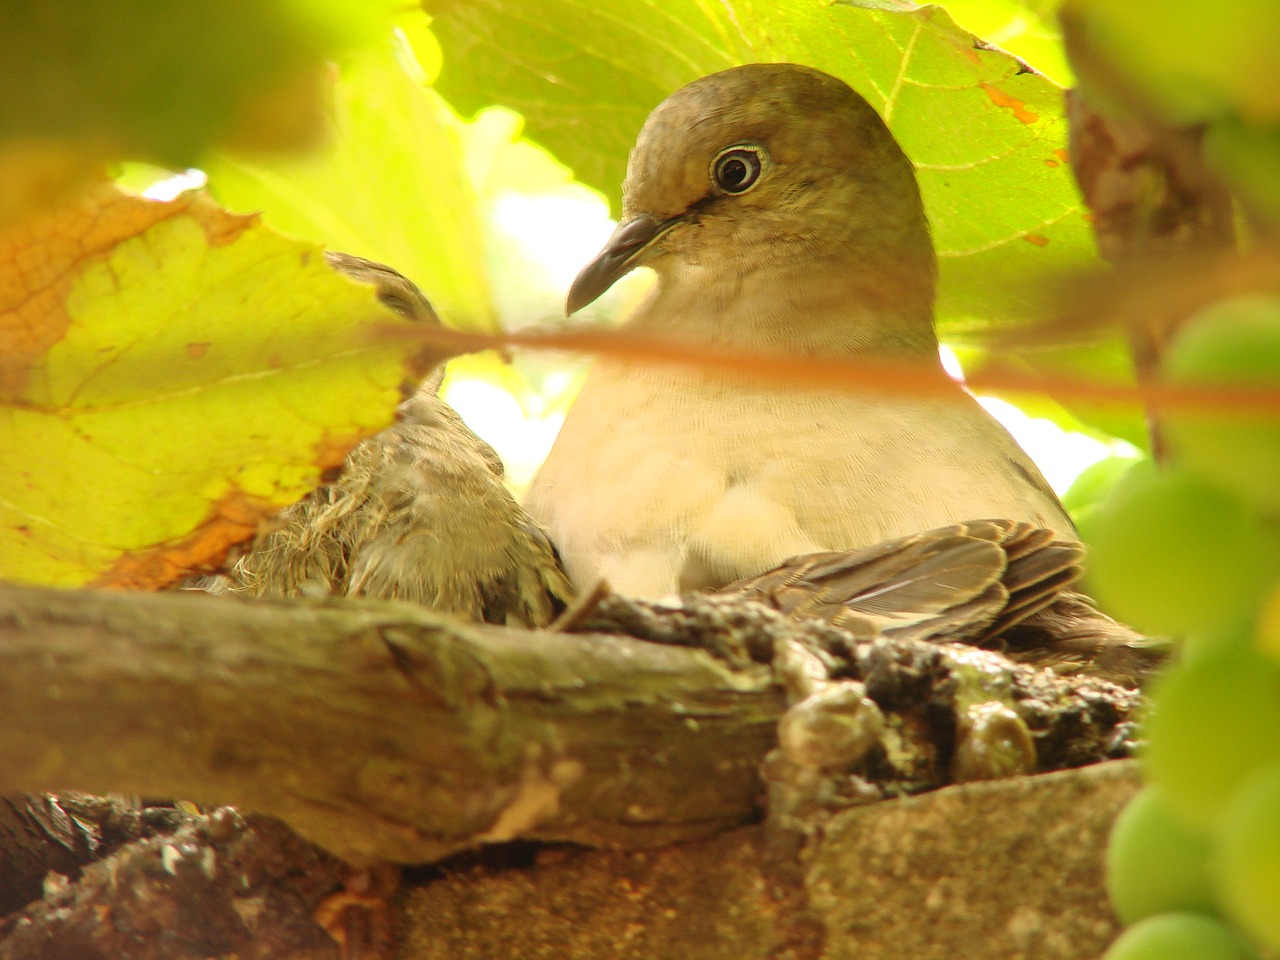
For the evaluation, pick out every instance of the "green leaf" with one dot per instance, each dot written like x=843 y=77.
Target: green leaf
x=171 y=375
x=390 y=187
x=94 y=81
x=1106 y=362
x=1192 y=61
x=987 y=136
x=1026 y=28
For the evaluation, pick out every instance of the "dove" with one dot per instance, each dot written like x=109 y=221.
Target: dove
x=779 y=214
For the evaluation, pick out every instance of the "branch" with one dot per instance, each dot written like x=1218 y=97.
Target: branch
x=874 y=375
x=377 y=730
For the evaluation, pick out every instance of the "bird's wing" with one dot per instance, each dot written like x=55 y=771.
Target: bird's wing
x=962 y=582
x=1040 y=565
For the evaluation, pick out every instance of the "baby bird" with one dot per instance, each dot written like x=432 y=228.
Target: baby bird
x=419 y=512
x=779 y=215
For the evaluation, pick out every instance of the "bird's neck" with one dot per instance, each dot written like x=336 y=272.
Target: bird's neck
x=825 y=312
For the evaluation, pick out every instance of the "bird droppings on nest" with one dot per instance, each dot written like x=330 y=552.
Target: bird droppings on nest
x=874 y=717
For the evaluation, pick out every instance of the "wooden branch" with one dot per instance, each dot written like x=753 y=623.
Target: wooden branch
x=377 y=730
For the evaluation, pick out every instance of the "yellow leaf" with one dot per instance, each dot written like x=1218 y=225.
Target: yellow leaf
x=170 y=375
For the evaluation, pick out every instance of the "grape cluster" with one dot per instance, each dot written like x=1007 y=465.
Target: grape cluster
x=1191 y=550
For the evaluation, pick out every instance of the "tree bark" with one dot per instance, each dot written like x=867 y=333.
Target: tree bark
x=378 y=731
x=382 y=732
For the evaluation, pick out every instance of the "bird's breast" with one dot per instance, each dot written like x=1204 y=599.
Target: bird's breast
x=663 y=480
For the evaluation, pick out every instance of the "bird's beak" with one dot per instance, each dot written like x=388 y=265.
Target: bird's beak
x=624 y=251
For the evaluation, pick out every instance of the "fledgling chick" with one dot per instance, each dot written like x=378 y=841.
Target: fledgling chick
x=779 y=214
x=419 y=512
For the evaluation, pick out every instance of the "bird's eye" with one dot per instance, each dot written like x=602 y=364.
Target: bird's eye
x=737 y=169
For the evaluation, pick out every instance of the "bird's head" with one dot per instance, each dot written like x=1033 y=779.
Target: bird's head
x=767 y=167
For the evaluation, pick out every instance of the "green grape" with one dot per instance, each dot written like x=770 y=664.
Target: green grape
x=1269 y=624
x=1155 y=864
x=1214 y=721
x=1246 y=856
x=1095 y=480
x=1180 y=936
x=1221 y=638
x=1170 y=554
x=1232 y=343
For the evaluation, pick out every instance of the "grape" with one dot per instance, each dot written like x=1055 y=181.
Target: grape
x=1269 y=624
x=1215 y=720
x=1089 y=491
x=1247 y=856
x=1171 y=554
x=1155 y=864
x=1221 y=638
x=1094 y=481
x=1233 y=343
x=1180 y=936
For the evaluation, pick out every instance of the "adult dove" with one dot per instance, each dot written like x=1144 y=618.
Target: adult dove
x=779 y=214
